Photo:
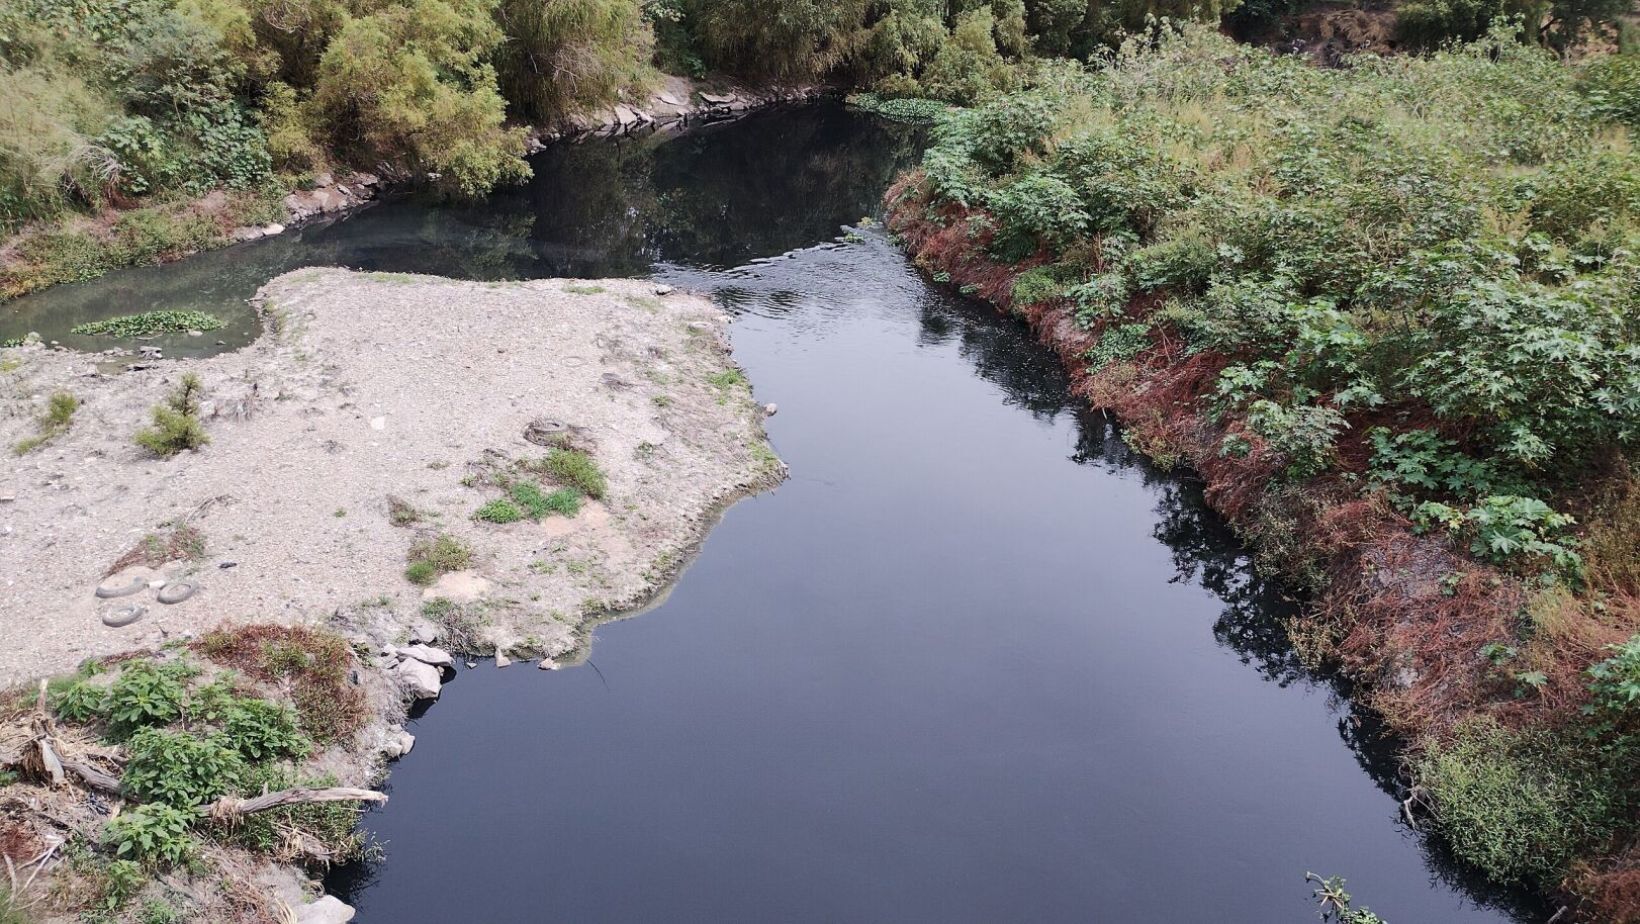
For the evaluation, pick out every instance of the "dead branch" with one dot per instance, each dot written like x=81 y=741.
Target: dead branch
x=229 y=808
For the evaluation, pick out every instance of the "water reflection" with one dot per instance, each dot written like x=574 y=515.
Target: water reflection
x=717 y=197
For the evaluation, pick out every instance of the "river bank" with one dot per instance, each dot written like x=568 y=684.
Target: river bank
x=421 y=467
x=85 y=247
x=1486 y=612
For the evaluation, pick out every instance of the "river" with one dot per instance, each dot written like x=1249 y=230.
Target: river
x=976 y=661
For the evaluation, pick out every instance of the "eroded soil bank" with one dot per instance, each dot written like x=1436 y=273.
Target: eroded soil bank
x=402 y=460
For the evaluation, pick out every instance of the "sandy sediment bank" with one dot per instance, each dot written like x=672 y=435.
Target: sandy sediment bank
x=382 y=411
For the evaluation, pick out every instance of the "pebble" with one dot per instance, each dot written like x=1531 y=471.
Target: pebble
x=548 y=664
x=501 y=659
x=664 y=290
x=771 y=409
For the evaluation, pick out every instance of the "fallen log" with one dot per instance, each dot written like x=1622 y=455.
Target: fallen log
x=229 y=808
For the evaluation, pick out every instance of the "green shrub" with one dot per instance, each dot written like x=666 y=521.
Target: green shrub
x=259 y=730
x=570 y=55
x=80 y=701
x=1614 y=685
x=1506 y=529
x=180 y=769
x=1519 y=805
x=1119 y=343
x=147 y=694
x=1038 y=285
x=176 y=425
x=152 y=834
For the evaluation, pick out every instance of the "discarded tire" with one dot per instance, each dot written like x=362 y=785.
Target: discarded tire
x=177 y=591
x=123 y=590
x=124 y=615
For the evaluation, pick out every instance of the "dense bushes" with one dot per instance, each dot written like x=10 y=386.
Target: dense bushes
x=1402 y=294
x=1355 y=261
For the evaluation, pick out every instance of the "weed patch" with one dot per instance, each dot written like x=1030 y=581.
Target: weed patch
x=53 y=423
x=429 y=559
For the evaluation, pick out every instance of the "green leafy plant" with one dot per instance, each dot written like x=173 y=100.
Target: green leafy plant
x=1506 y=529
x=260 y=730
x=151 y=322
x=180 y=769
x=147 y=694
x=1614 y=687
x=1336 y=904
x=155 y=834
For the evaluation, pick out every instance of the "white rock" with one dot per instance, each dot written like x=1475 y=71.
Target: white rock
x=399 y=743
x=423 y=632
x=275 y=228
x=327 y=910
x=427 y=655
x=771 y=409
x=501 y=659
x=548 y=664
x=664 y=290
x=378 y=423
x=418 y=679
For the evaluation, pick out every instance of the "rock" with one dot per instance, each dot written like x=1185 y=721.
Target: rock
x=771 y=409
x=419 y=680
x=323 y=179
x=664 y=290
x=399 y=742
x=275 y=228
x=327 y=910
x=548 y=664
x=625 y=116
x=668 y=98
x=366 y=180
x=426 y=654
x=245 y=234
x=423 y=632
x=458 y=587
x=378 y=423
x=8 y=498
x=501 y=659
x=718 y=99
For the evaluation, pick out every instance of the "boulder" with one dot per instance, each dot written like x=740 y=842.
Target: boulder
x=327 y=910
x=418 y=679
x=428 y=655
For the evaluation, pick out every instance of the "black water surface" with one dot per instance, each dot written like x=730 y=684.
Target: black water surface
x=974 y=662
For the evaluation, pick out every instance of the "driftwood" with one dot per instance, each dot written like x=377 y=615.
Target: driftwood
x=228 y=808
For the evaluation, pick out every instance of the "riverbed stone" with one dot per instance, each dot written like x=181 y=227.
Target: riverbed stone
x=326 y=910
x=428 y=655
x=418 y=679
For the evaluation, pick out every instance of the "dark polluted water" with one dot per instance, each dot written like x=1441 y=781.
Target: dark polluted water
x=976 y=661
